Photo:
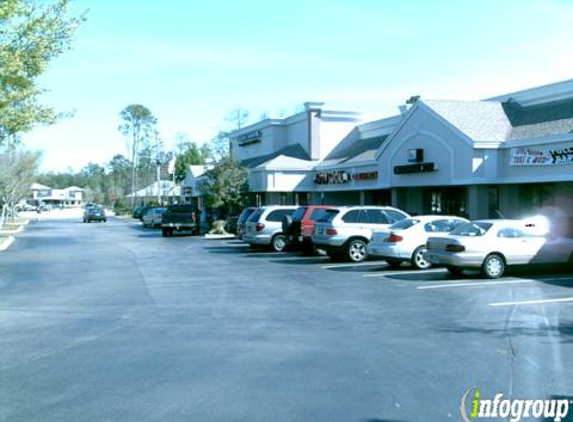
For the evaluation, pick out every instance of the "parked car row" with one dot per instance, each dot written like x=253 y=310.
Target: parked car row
x=172 y=219
x=357 y=233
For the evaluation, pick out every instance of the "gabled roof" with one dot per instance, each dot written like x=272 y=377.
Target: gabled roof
x=479 y=120
x=37 y=186
x=74 y=188
x=294 y=151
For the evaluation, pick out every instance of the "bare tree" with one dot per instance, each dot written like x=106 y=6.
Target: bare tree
x=17 y=170
x=138 y=127
x=237 y=118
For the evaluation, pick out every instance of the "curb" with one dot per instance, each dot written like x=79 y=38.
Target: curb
x=6 y=244
x=18 y=230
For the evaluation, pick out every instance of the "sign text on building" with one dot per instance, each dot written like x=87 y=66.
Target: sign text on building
x=415 y=168
x=339 y=177
x=540 y=157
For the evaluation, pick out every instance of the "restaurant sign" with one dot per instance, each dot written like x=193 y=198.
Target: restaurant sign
x=340 y=177
x=540 y=157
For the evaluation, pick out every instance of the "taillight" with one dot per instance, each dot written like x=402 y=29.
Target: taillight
x=455 y=248
x=260 y=226
x=393 y=238
x=331 y=232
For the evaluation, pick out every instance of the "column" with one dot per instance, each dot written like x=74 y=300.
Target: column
x=478 y=202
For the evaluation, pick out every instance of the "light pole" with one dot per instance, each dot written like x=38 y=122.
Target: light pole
x=160 y=159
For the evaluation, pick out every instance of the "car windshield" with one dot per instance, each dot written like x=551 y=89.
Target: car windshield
x=472 y=229
x=404 y=224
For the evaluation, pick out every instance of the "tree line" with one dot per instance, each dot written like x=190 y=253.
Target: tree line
x=32 y=34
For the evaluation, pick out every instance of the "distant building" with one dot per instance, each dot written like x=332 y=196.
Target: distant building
x=191 y=186
x=163 y=190
x=68 y=197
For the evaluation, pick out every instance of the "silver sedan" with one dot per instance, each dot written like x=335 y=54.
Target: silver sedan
x=492 y=245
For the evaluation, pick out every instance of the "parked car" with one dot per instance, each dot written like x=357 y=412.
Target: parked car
x=242 y=221
x=264 y=227
x=405 y=241
x=299 y=227
x=139 y=212
x=231 y=224
x=153 y=217
x=493 y=245
x=344 y=232
x=94 y=213
x=180 y=217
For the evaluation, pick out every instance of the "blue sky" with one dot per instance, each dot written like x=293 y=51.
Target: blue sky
x=191 y=62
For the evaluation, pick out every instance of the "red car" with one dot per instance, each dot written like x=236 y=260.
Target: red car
x=300 y=227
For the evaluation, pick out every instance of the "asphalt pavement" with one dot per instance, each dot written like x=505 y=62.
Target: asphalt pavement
x=112 y=322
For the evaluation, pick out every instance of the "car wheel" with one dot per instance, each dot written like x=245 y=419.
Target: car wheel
x=394 y=263
x=419 y=260
x=278 y=243
x=356 y=250
x=493 y=266
x=454 y=270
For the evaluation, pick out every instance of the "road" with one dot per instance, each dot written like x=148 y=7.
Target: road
x=112 y=322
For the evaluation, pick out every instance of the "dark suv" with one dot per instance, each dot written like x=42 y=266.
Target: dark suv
x=180 y=217
x=94 y=213
x=300 y=227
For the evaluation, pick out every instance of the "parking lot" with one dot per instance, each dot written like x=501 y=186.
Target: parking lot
x=112 y=319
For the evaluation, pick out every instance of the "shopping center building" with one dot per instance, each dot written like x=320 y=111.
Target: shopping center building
x=505 y=156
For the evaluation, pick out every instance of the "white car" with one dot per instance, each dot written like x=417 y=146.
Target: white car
x=264 y=227
x=344 y=232
x=405 y=241
x=492 y=245
x=153 y=217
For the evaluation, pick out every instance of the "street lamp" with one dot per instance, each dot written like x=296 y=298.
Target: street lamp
x=161 y=159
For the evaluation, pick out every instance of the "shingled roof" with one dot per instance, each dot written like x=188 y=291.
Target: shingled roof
x=502 y=121
x=539 y=120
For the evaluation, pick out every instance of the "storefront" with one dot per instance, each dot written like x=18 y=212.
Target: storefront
x=508 y=156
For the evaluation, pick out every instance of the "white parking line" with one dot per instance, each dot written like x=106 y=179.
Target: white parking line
x=533 y=302
x=384 y=274
x=359 y=264
x=478 y=283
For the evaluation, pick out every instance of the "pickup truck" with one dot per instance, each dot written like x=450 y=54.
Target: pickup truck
x=180 y=217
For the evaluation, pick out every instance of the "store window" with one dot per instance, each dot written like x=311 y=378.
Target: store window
x=532 y=197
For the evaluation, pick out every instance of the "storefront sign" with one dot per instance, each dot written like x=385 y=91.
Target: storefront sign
x=415 y=168
x=249 y=138
x=342 y=176
x=540 y=157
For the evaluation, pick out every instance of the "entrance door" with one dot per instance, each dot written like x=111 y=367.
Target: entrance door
x=448 y=201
